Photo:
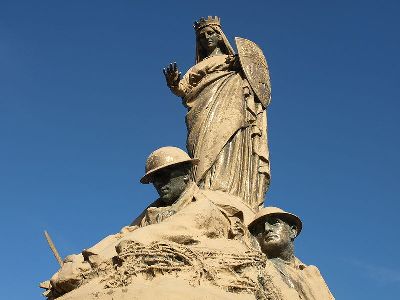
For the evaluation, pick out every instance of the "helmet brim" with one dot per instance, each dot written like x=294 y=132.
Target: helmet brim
x=148 y=177
x=288 y=217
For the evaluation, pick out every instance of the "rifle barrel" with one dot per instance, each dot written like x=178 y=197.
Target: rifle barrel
x=53 y=248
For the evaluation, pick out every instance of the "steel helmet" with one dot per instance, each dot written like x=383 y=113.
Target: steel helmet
x=277 y=212
x=165 y=157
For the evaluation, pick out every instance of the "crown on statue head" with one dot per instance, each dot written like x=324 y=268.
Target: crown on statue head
x=202 y=22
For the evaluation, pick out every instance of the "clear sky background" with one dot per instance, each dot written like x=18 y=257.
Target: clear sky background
x=83 y=102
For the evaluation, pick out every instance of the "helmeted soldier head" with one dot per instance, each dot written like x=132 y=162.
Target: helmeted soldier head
x=275 y=231
x=168 y=168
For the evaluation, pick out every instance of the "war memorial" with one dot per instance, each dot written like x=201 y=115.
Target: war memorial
x=209 y=235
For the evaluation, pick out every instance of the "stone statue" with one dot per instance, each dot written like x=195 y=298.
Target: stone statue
x=168 y=168
x=226 y=96
x=275 y=231
x=207 y=236
x=182 y=215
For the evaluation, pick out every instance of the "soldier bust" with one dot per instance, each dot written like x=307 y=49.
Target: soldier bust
x=168 y=169
x=275 y=231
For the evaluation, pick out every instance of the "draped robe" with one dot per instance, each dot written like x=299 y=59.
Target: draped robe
x=227 y=129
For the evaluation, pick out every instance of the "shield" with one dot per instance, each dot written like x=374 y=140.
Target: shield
x=255 y=68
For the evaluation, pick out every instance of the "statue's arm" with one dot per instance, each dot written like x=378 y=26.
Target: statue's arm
x=233 y=62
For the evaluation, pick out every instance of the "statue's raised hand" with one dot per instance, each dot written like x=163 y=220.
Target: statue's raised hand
x=172 y=75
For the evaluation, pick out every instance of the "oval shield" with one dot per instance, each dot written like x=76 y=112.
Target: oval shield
x=255 y=68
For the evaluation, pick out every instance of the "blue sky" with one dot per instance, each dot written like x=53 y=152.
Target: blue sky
x=83 y=102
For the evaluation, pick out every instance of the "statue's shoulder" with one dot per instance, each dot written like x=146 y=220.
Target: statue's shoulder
x=311 y=270
x=139 y=220
x=316 y=282
x=232 y=205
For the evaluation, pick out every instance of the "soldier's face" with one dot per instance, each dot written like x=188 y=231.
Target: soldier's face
x=274 y=235
x=208 y=38
x=170 y=183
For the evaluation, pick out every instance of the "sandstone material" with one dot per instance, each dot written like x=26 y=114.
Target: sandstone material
x=208 y=235
x=190 y=255
x=166 y=288
x=226 y=121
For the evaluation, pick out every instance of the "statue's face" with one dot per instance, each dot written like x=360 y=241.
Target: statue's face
x=170 y=183
x=274 y=235
x=208 y=38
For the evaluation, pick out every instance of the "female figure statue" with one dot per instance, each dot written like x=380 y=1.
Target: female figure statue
x=226 y=122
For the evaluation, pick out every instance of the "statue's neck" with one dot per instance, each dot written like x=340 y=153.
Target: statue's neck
x=286 y=255
x=216 y=51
